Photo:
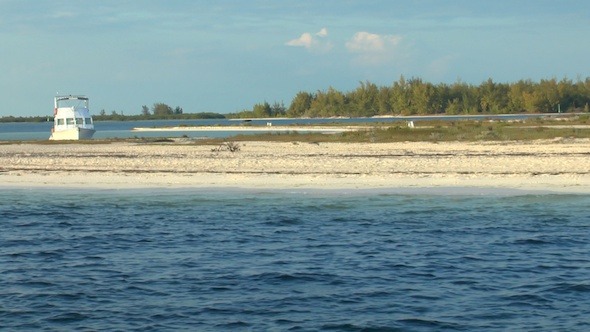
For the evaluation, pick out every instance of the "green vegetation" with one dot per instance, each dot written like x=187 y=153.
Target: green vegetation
x=184 y=116
x=6 y=119
x=442 y=131
x=159 y=111
x=263 y=110
x=416 y=97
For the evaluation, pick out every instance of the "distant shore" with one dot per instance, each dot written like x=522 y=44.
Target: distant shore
x=555 y=166
x=267 y=128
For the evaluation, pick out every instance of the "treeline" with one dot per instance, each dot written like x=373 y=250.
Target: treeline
x=159 y=111
x=10 y=118
x=114 y=116
x=262 y=110
x=416 y=97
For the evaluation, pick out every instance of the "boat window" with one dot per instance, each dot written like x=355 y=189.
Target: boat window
x=88 y=120
x=70 y=121
x=60 y=122
x=79 y=121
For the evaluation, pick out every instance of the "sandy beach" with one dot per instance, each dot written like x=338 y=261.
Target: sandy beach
x=557 y=166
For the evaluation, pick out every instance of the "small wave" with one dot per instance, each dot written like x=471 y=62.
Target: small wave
x=20 y=222
x=68 y=317
x=234 y=325
x=221 y=289
x=531 y=241
x=472 y=258
x=273 y=277
x=283 y=221
x=414 y=323
x=284 y=321
x=426 y=297
x=38 y=284
x=140 y=290
x=571 y=288
x=527 y=300
x=51 y=254
x=358 y=328
x=218 y=311
x=16 y=243
x=168 y=316
x=465 y=282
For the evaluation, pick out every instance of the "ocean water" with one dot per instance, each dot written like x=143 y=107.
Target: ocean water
x=221 y=260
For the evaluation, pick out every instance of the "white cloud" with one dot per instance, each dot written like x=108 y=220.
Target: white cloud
x=306 y=40
x=374 y=49
x=365 y=42
x=322 y=33
x=313 y=43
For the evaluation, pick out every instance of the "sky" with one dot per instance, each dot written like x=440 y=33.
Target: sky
x=226 y=56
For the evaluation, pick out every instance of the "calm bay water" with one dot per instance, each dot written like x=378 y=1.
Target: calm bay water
x=280 y=260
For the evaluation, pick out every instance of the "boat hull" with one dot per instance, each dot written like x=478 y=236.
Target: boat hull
x=72 y=134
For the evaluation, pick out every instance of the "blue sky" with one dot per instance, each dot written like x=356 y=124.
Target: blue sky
x=226 y=55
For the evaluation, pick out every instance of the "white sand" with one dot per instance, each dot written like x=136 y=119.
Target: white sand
x=558 y=165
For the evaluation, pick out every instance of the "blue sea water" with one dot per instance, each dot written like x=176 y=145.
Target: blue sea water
x=174 y=260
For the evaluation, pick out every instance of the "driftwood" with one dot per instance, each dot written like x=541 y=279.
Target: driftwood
x=227 y=146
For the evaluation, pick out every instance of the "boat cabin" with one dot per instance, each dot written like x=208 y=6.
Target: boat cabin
x=72 y=119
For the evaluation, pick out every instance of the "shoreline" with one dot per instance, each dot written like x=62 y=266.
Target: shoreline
x=539 y=167
x=136 y=182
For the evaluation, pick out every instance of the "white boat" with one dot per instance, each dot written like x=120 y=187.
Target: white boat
x=71 y=118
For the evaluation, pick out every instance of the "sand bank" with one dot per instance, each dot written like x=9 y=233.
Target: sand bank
x=558 y=165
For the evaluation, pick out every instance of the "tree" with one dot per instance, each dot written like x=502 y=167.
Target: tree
x=453 y=107
x=470 y=100
x=493 y=97
x=328 y=103
x=581 y=96
x=422 y=97
x=548 y=96
x=517 y=96
x=300 y=104
x=178 y=110
x=145 y=110
x=384 y=101
x=364 y=99
x=161 y=109
x=400 y=97
x=262 y=110
x=278 y=109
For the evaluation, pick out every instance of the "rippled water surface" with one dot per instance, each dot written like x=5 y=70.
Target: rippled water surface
x=255 y=261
